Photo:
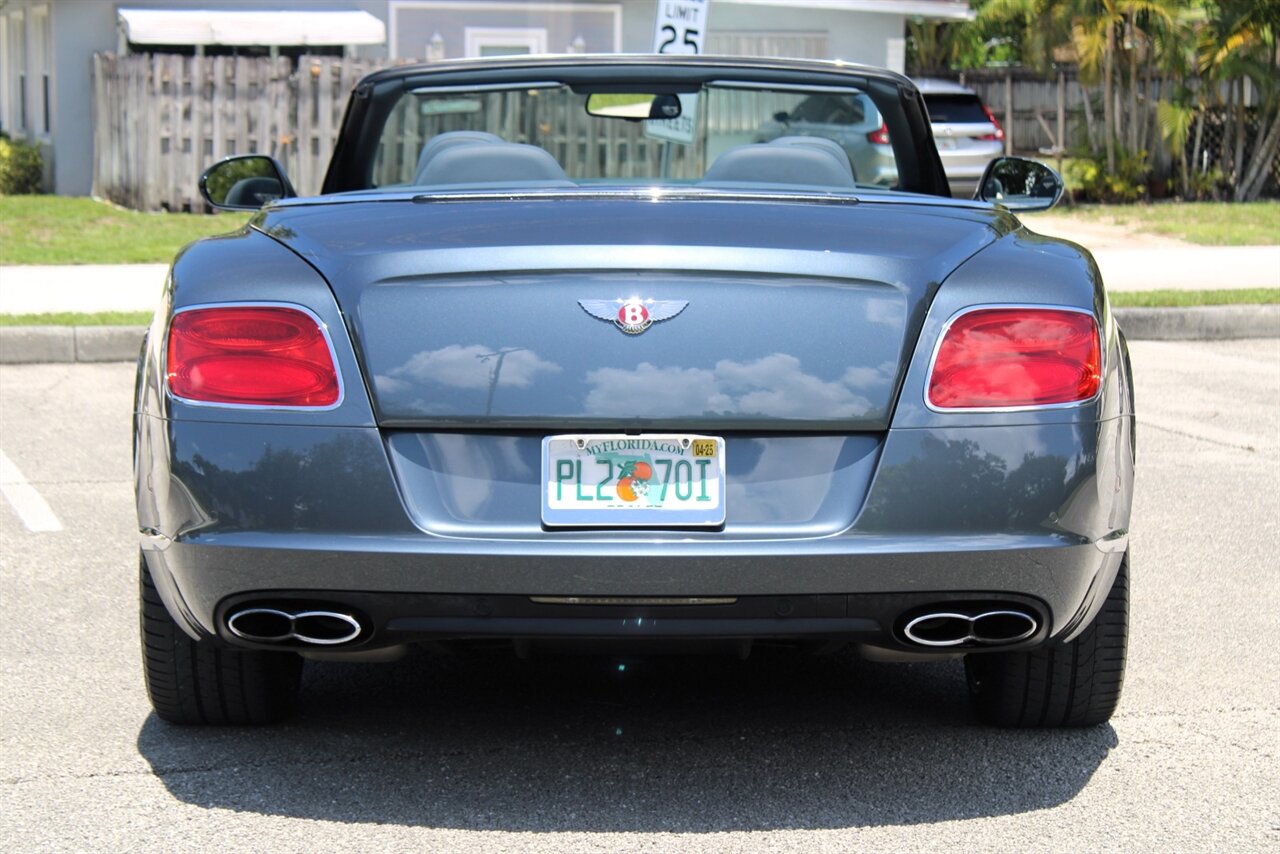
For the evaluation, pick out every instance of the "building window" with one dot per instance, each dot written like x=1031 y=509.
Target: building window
x=40 y=50
x=16 y=66
x=5 y=100
x=503 y=41
x=493 y=27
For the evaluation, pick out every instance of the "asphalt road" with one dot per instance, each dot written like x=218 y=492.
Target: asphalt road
x=776 y=753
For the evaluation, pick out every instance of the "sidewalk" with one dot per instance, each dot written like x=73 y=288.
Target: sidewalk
x=1136 y=261
x=1194 y=268
x=84 y=288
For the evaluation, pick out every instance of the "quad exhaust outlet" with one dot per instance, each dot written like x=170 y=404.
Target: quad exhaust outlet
x=272 y=625
x=983 y=628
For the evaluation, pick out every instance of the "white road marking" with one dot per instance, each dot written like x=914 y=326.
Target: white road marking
x=32 y=509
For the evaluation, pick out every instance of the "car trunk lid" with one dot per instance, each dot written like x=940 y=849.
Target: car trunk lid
x=502 y=314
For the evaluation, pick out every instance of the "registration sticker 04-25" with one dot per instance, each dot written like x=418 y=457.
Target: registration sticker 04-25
x=622 y=481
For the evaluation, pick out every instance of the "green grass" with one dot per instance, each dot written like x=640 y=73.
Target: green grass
x=1167 y=299
x=76 y=318
x=1205 y=223
x=65 y=230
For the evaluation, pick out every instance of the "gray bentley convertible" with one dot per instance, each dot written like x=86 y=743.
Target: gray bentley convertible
x=604 y=352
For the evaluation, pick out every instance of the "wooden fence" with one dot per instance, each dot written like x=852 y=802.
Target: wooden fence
x=161 y=119
x=1028 y=105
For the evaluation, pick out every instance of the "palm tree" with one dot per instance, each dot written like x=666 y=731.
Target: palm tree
x=1038 y=26
x=1239 y=44
x=1096 y=29
x=1160 y=65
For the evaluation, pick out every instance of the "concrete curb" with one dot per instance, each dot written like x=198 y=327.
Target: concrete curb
x=32 y=344
x=29 y=344
x=1200 y=323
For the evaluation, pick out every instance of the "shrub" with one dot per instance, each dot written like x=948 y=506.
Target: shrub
x=21 y=170
x=1212 y=184
x=1127 y=184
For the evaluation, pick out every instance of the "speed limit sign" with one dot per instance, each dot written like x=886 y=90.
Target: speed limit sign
x=680 y=28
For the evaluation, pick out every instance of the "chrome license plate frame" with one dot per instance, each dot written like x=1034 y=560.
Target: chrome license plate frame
x=671 y=480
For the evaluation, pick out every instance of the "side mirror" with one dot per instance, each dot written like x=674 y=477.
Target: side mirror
x=245 y=183
x=1020 y=184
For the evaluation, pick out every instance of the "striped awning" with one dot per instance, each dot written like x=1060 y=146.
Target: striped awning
x=249 y=28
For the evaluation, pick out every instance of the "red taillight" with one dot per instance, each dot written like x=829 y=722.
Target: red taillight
x=1016 y=357
x=879 y=136
x=251 y=356
x=999 y=134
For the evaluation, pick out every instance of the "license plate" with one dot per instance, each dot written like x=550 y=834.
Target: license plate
x=621 y=481
x=946 y=144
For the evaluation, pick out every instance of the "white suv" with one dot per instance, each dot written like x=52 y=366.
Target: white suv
x=966 y=133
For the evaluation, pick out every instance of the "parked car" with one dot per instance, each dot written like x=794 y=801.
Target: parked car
x=849 y=120
x=559 y=356
x=966 y=133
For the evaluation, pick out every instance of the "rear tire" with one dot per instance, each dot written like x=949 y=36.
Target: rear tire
x=198 y=682
x=1075 y=684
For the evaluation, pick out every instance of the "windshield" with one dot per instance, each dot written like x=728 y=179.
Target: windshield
x=729 y=135
x=956 y=109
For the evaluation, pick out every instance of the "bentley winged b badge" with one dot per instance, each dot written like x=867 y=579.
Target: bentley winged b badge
x=633 y=315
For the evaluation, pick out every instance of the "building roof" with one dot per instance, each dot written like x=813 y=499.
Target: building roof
x=948 y=10
x=245 y=28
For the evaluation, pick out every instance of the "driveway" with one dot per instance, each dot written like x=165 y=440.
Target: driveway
x=776 y=753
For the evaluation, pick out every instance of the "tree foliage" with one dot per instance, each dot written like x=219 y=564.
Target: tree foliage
x=1156 y=70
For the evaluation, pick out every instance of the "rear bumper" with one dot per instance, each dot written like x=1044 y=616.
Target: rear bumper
x=394 y=619
x=968 y=164
x=849 y=588
x=233 y=513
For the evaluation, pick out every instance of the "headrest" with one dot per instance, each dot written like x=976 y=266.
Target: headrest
x=779 y=164
x=494 y=164
x=253 y=191
x=442 y=141
x=819 y=143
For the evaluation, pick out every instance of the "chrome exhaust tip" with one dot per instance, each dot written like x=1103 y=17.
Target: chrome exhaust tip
x=985 y=628
x=272 y=625
x=262 y=625
x=939 y=629
x=325 y=628
x=1003 y=627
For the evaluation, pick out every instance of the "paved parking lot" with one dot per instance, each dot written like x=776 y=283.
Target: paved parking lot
x=582 y=754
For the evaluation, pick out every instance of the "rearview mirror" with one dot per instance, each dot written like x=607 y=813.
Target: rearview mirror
x=1019 y=184
x=450 y=106
x=245 y=183
x=633 y=106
